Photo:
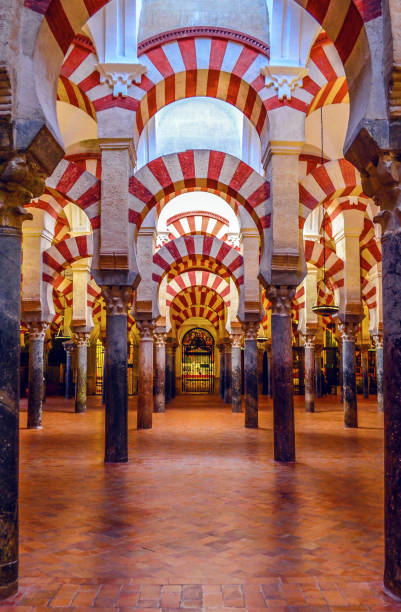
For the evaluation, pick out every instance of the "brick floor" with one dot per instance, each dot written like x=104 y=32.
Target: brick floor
x=202 y=517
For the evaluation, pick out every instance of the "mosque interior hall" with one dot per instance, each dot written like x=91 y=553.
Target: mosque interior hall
x=200 y=289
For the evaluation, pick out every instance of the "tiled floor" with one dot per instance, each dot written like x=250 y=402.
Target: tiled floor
x=202 y=517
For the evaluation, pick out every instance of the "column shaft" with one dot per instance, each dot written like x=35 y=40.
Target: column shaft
x=365 y=373
x=227 y=374
x=222 y=372
x=236 y=375
x=310 y=377
x=10 y=298
x=283 y=402
x=251 y=374
x=36 y=365
x=270 y=371
x=81 y=379
x=160 y=373
x=379 y=372
x=318 y=372
x=349 y=374
x=169 y=354
x=69 y=347
x=145 y=388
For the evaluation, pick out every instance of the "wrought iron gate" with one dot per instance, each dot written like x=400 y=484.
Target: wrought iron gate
x=198 y=362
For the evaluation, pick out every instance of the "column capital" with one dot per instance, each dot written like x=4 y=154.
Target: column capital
x=81 y=338
x=382 y=182
x=117 y=299
x=69 y=346
x=21 y=180
x=37 y=329
x=378 y=340
x=146 y=329
x=309 y=340
x=160 y=339
x=281 y=297
x=236 y=340
x=348 y=330
x=251 y=330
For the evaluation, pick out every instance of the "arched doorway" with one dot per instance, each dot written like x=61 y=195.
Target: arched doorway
x=197 y=361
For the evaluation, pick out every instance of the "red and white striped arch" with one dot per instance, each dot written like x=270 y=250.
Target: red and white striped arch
x=198 y=278
x=198 y=222
x=188 y=249
x=177 y=172
x=198 y=296
x=316 y=253
x=203 y=312
x=334 y=179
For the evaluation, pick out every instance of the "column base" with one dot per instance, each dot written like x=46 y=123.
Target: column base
x=34 y=426
x=251 y=425
x=8 y=590
x=237 y=410
x=144 y=426
x=113 y=459
x=390 y=593
x=80 y=409
x=310 y=408
x=159 y=410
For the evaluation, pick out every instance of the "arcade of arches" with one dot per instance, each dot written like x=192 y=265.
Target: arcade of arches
x=200 y=205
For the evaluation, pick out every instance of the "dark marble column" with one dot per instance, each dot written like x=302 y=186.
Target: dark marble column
x=341 y=368
x=81 y=353
x=221 y=367
x=348 y=330
x=160 y=372
x=365 y=371
x=283 y=402
x=261 y=351
x=378 y=340
x=37 y=331
x=169 y=366
x=318 y=370
x=236 y=398
x=10 y=299
x=117 y=299
x=173 y=372
x=227 y=372
x=310 y=377
x=270 y=370
x=251 y=329
x=145 y=390
x=69 y=348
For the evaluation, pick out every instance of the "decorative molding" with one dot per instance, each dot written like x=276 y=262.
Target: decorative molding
x=117 y=299
x=284 y=79
x=203 y=32
x=251 y=330
x=120 y=76
x=281 y=297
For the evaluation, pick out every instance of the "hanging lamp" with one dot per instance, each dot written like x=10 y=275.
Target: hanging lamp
x=322 y=308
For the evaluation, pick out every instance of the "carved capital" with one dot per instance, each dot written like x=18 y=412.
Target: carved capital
x=120 y=76
x=21 y=180
x=378 y=340
x=348 y=330
x=251 y=330
x=37 y=329
x=309 y=341
x=117 y=299
x=81 y=338
x=69 y=346
x=236 y=340
x=382 y=182
x=145 y=329
x=284 y=79
x=281 y=297
x=160 y=339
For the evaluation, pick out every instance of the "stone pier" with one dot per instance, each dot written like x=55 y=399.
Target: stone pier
x=37 y=331
x=283 y=402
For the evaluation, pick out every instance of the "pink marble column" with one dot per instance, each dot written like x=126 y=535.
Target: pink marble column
x=309 y=340
x=236 y=398
x=160 y=372
x=145 y=383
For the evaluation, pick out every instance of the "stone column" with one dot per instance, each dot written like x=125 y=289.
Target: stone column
x=348 y=332
x=37 y=331
x=378 y=340
x=81 y=343
x=261 y=351
x=69 y=348
x=270 y=370
x=318 y=370
x=251 y=329
x=18 y=185
x=145 y=390
x=221 y=368
x=283 y=402
x=160 y=372
x=341 y=368
x=236 y=342
x=310 y=375
x=173 y=372
x=169 y=354
x=365 y=371
x=117 y=299
x=227 y=372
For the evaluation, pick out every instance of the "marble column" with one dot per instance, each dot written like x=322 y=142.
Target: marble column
x=270 y=370
x=348 y=330
x=251 y=329
x=81 y=344
x=261 y=351
x=318 y=370
x=160 y=372
x=341 y=368
x=365 y=371
x=221 y=367
x=310 y=376
x=169 y=365
x=236 y=398
x=117 y=299
x=283 y=402
x=69 y=348
x=173 y=373
x=378 y=340
x=227 y=372
x=145 y=390
x=37 y=331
